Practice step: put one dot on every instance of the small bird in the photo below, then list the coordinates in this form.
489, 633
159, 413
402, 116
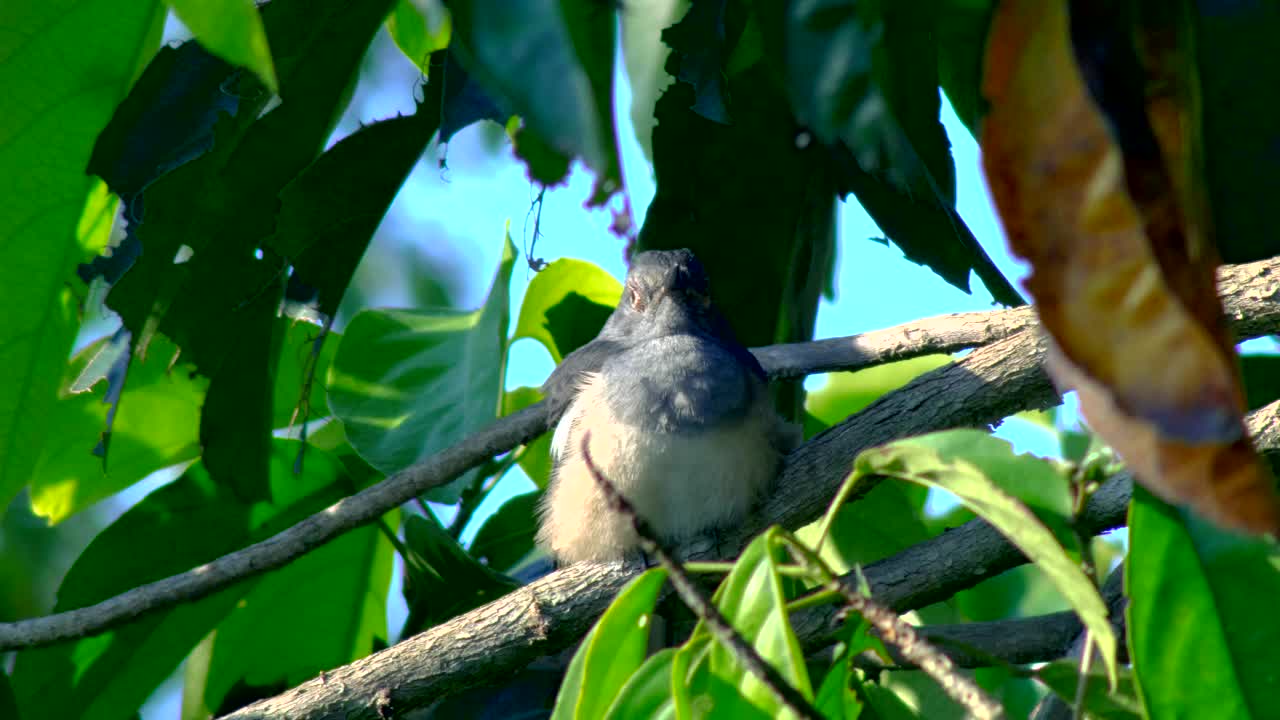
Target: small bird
679, 416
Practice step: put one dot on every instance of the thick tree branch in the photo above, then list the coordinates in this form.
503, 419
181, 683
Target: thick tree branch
989, 384
552, 612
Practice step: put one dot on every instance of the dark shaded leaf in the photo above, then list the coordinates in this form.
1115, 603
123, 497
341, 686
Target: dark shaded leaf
1261, 379
1241, 145
166, 120
506, 536
1062, 676
441, 579
268, 641
551, 63
962, 37
758, 212
330, 211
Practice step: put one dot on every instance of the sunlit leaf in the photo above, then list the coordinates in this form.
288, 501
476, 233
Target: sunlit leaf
611, 652
419, 28
1184, 573
64, 69
982, 472
647, 695
566, 305
751, 598
409, 383
232, 30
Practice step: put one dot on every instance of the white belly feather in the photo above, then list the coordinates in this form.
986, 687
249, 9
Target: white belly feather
681, 483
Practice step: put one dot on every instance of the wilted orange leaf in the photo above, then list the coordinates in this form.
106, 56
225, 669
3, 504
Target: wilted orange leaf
1100, 197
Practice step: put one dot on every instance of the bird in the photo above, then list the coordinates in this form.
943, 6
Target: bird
678, 414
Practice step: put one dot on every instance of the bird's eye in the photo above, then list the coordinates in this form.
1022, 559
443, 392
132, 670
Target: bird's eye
636, 298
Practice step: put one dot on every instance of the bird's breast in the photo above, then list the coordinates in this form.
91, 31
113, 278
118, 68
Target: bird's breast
682, 481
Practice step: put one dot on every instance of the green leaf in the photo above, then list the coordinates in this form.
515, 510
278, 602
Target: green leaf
1201, 605
330, 211
981, 471
962, 41
232, 30
419, 29
845, 393
1261, 379
155, 427
1061, 676
63, 70
506, 536
179, 526
566, 305
647, 695
323, 610
1234, 130
442, 579
752, 600
645, 56
300, 373
235, 420
836, 699
551, 63
8, 703
409, 383
535, 458
611, 652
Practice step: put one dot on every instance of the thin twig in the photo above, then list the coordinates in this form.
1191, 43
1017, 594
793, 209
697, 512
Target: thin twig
1248, 293
701, 606
892, 629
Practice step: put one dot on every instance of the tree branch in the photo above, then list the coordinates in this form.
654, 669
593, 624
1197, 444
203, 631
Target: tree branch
541, 618
554, 611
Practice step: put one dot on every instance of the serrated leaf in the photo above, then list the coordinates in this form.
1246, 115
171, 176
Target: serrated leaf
409, 383
1200, 605
62, 75
566, 305
180, 526
232, 30
613, 650
971, 465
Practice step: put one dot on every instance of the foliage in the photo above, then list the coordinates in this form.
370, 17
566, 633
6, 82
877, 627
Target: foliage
174, 314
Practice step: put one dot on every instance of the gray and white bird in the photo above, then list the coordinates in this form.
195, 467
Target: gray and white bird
679, 414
